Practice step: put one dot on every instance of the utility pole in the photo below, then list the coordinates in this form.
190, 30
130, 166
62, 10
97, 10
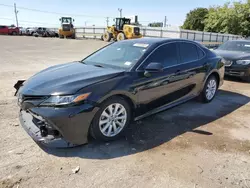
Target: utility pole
165, 21
16, 11
107, 20
120, 10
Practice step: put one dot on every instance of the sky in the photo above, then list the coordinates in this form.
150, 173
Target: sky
94, 12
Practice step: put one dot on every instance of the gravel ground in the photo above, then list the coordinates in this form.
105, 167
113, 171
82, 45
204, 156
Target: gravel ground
193, 145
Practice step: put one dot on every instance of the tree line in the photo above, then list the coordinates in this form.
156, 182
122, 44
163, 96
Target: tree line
232, 18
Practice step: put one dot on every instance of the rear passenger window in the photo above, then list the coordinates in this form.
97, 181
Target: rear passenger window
188, 52
166, 54
200, 53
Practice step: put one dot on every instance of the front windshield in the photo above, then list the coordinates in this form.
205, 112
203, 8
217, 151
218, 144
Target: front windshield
66, 20
241, 46
121, 55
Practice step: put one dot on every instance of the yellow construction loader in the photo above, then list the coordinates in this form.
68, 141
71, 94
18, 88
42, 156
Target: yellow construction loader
122, 30
67, 29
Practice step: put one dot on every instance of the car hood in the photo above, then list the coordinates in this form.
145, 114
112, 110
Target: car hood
66, 79
232, 55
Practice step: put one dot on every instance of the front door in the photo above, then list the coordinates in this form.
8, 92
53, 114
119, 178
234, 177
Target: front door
161, 87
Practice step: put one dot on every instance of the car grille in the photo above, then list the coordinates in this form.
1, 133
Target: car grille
32, 97
30, 100
136, 30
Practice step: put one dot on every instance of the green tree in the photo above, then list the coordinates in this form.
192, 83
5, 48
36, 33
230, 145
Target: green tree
230, 18
195, 19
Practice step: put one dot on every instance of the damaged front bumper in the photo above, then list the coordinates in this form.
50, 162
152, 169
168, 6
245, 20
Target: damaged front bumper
35, 132
58, 127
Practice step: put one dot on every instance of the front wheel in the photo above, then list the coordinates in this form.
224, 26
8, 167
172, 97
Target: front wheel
209, 90
111, 120
121, 36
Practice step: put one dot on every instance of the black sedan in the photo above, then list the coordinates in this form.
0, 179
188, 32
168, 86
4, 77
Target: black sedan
236, 55
124, 81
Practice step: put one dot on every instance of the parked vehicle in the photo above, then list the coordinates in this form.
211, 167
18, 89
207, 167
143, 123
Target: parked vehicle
122, 30
44, 32
13, 30
30, 31
5, 30
22, 31
124, 81
67, 28
237, 58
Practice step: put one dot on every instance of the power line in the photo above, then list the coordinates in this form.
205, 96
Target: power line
24, 21
57, 13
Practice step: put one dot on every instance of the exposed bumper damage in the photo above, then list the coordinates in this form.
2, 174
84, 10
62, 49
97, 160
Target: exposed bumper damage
38, 134
54, 126
58, 127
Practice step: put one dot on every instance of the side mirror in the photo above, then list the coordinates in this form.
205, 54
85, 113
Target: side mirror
73, 20
60, 19
153, 67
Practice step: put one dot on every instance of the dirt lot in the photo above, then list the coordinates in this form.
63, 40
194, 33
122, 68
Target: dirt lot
192, 145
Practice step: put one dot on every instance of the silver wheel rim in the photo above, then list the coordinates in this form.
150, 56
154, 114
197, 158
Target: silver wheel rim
113, 120
211, 89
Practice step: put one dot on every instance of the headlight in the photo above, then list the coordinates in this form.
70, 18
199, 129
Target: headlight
64, 100
243, 62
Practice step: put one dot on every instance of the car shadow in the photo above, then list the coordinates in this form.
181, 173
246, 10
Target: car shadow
159, 129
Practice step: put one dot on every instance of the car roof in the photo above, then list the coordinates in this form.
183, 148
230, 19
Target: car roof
241, 40
157, 40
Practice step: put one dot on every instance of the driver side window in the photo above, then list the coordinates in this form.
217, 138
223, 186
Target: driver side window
166, 55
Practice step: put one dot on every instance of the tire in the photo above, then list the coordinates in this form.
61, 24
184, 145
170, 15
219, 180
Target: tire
98, 130
107, 36
120, 36
14, 33
73, 36
211, 86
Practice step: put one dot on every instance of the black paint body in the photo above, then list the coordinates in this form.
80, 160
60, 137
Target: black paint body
146, 95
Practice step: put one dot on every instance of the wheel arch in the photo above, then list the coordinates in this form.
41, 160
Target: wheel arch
125, 96
216, 74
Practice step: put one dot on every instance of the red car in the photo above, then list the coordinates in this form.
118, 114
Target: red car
9, 30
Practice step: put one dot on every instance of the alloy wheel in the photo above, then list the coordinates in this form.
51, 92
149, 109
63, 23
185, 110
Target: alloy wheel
211, 89
113, 120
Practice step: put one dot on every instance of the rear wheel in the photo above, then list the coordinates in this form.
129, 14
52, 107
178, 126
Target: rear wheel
14, 33
107, 36
209, 90
73, 36
121, 36
111, 120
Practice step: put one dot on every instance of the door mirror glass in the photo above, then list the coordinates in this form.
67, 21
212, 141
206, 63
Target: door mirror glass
154, 67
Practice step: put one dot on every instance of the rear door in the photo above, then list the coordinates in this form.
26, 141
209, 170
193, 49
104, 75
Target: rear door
192, 66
